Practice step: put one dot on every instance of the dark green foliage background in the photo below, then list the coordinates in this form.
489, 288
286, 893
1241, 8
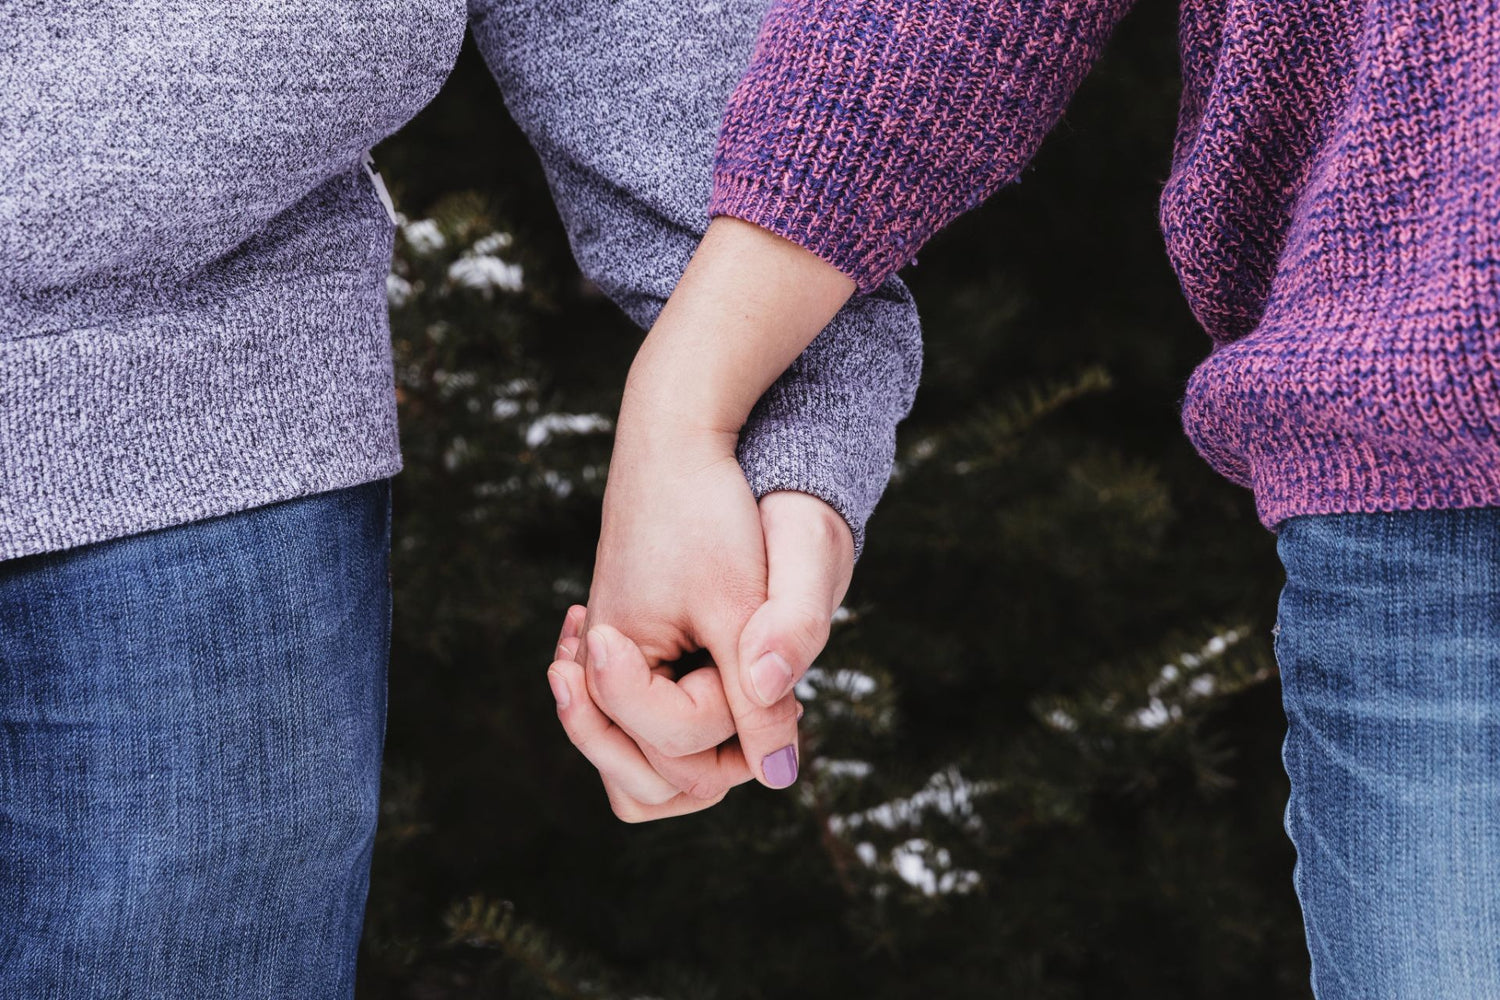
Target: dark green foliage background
1050, 543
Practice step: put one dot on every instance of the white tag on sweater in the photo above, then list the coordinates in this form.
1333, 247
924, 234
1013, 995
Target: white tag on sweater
385, 196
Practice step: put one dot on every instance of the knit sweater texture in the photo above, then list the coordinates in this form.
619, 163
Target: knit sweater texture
192, 261
193, 316
1333, 208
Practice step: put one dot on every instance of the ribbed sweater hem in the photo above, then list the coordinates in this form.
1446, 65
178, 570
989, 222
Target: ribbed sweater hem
1421, 432
283, 390
1363, 481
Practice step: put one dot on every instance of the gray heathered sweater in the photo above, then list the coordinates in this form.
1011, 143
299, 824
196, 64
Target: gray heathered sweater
193, 261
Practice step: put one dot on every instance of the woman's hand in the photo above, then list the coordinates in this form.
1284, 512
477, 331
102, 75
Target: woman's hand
641, 781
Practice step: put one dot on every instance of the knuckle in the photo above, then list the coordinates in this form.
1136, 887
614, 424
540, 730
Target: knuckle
810, 626
707, 789
627, 813
585, 741
709, 803
619, 803
777, 721
675, 744
625, 808
829, 528
684, 741
659, 798
806, 518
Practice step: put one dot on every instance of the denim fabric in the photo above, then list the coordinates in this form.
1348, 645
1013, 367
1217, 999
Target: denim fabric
1389, 643
191, 724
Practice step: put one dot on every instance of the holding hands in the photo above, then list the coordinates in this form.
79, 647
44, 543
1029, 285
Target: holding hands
688, 560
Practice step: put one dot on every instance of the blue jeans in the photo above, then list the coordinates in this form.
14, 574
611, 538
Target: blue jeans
191, 724
1389, 644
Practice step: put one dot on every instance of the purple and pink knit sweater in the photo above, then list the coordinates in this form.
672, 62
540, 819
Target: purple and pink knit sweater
1333, 211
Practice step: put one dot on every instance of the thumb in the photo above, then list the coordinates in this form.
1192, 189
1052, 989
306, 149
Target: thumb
809, 560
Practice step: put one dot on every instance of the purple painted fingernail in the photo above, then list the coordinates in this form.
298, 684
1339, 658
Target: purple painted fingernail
780, 766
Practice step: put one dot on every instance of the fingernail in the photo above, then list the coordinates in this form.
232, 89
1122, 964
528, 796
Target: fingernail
598, 649
770, 677
559, 690
780, 766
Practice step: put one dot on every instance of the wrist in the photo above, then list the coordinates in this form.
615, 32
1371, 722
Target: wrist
747, 305
656, 415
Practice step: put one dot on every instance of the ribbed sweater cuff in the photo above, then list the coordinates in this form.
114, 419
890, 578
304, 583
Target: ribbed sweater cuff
827, 427
840, 238
864, 126
781, 456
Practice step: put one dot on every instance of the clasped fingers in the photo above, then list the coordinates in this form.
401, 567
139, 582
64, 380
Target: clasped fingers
662, 747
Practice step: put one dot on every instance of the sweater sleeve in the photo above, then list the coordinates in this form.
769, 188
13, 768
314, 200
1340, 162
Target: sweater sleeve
864, 126
622, 101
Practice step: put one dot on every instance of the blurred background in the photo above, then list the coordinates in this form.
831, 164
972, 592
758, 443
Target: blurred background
1042, 750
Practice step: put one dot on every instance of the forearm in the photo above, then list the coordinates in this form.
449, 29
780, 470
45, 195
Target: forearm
748, 304
626, 134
